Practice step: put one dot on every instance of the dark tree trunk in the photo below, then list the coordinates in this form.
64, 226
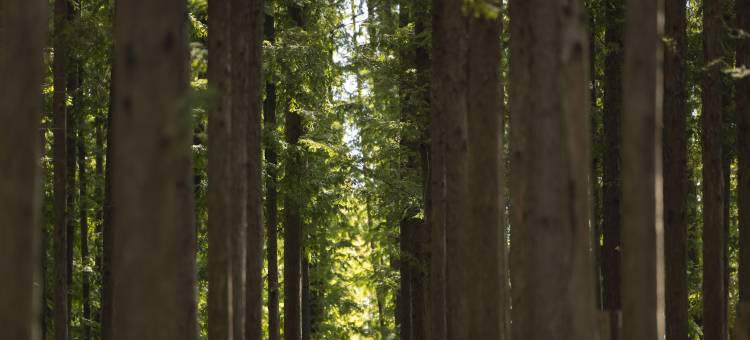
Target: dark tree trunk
714, 247
743, 151
612, 191
59, 159
22, 31
219, 174
482, 246
269, 116
675, 171
155, 241
306, 301
551, 164
73, 91
642, 240
107, 225
293, 205
84, 223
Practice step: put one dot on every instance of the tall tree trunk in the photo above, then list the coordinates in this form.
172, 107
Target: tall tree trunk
597, 137
743, 151
84, 225
439, 90
483, 241
59, 159
675, 171
612, 190
269, 116
406, 230
306, 301
252, 93
219, 174
22, 31
155, 240
73, 91
99, 198
714, 247
642, 243
107, 225
550, 215
293, 204
239, 136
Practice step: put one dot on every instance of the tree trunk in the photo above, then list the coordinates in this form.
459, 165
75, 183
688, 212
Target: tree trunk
743, 153
714, 248
22, 30
306, 301
483, 241
73, 91
675, 172
643, 243
154, 227
612, 190
59, 159
406, 231
252, 96
553, 294
107, 225
219, 175
269, 116
293, 204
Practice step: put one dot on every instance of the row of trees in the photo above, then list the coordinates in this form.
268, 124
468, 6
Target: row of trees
393, 150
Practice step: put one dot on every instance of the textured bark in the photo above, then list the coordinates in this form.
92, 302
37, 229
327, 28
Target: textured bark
437, 286
675, 171
612, 190
239, 46
743, 153
252, 91
269, 116
553, 294
23, 26
714, 247
483, 239
642, 243
219, 174
154, 228
59, 159
293, 204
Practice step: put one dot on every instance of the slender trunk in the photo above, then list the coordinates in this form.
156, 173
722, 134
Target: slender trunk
84, 223
612, 190
596, 158
714, 247
743, 151
107, 225
22, 30
99, 199
551, 164
73, 91
219, 136
306, 307
155, 241
269, 116
483, 242
293, 205
643, 243
59, 158
405, 288
675, 172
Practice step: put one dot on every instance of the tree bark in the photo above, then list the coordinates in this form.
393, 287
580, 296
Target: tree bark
252, 93
612, 189
714, 247
219, 175
107, 224
154, 228
23, 26
551, 264
483, 239
84, 225
675, 171
642, 243
269, 116
743, 152
59, 158
293, 205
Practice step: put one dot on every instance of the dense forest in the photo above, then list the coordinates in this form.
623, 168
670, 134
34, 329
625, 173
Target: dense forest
374, 169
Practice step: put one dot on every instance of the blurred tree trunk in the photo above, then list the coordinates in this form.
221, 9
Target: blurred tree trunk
675, 171
155, 241
743, 152
84, 225
551, 164
714, 247
219, 174
642, 243
23, 26
107, 224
